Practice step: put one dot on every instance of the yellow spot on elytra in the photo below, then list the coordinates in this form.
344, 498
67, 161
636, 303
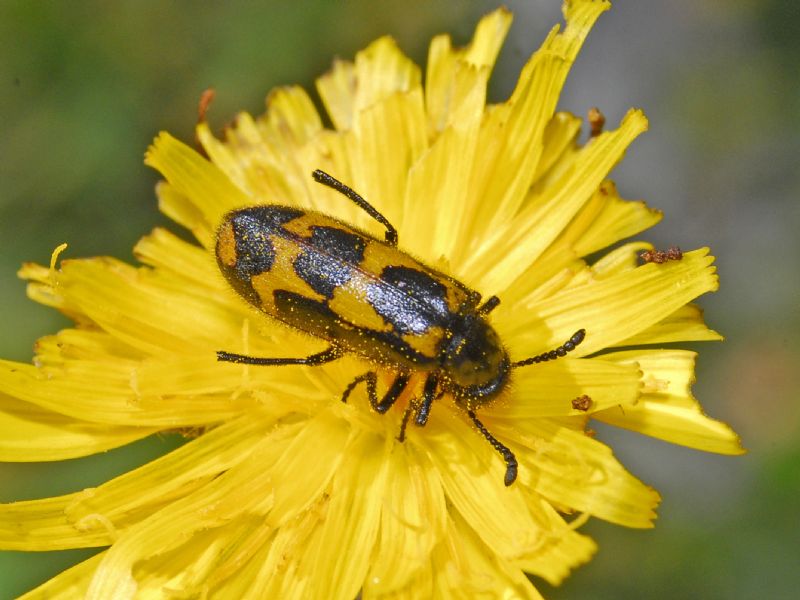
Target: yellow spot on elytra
226, 245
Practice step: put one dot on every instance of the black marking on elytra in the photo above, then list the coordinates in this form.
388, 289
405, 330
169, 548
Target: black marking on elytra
297, 309
316, 317
329, 262
400, 346
409, 300
252, 228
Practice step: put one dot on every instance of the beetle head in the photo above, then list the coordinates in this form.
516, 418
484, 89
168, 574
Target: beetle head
475, 363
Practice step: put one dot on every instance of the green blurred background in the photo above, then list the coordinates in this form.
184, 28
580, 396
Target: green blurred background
86, 85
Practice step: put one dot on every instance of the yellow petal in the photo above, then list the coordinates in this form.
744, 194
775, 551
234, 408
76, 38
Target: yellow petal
242, 491
684, 325
303, 484
399, 117
560, 552
238, 575
290, 122
30, 433
339, 556
464, 567
197, 179
412, 523
559, 136
438, 180
178, 259
69, 584
512, 244
179, 207
473, 482
107, 393
617, 220
337, 88
381, 71
97, 516
144, 309
511, 140
610, 309
450, 78
571, 469
43, 288
269, 158
667, 409
84, 344
277, 576
547, 389
197, 567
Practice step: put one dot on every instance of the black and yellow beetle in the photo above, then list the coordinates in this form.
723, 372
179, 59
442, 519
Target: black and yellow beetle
367, 297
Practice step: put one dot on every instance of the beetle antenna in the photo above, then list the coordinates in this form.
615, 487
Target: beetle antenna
508, 455
562, 350
322, 177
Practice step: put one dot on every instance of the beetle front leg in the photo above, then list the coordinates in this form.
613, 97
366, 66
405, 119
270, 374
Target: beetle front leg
327, 355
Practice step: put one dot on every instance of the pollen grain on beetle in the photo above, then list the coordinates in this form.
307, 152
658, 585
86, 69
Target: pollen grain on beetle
385, 357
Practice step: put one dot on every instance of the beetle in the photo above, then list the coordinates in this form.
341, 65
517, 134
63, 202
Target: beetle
366, 296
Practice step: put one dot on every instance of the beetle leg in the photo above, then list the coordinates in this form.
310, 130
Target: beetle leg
398, 385
327, 355
371, 378
322, 177
562, 350
508, 455
406, 416
428, 396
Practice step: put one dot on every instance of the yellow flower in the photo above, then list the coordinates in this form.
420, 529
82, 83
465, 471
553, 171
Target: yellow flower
286, 492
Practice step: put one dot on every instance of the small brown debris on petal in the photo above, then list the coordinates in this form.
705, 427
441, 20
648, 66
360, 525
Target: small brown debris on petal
658, 256
674, 253
596, 121
582, 403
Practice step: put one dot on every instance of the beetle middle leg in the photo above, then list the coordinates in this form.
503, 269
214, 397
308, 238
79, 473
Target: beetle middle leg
421, 408
389, 398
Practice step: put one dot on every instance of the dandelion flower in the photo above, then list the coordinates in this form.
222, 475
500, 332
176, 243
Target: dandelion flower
286, 492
